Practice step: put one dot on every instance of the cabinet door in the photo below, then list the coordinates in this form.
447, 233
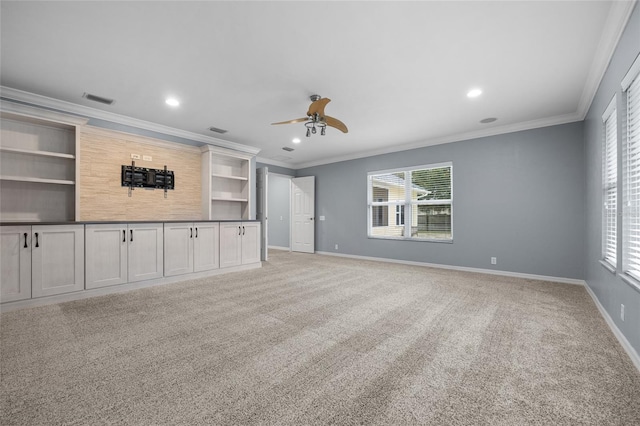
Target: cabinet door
145, 248
206, 245
230, 244
15, 263
178, 248
57, 259
106, 255
250, 242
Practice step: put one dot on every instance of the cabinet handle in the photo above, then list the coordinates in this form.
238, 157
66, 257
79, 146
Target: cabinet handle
131, 230
239, 231
25, 240
243, 230
196, 232
37, 244
191, 235
124, 236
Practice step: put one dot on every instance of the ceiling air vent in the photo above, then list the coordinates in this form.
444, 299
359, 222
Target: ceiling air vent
286, 148
215, 129
100, 99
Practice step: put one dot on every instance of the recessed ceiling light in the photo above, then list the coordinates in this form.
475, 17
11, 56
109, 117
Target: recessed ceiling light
296, 140
474, 93
172, 102
488, 120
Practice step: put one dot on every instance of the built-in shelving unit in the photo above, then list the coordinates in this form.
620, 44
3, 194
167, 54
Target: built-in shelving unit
226, 184
38, 173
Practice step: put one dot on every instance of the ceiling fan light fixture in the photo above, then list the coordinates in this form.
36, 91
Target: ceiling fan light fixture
308, 132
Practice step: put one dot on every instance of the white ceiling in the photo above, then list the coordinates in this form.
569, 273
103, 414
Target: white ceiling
397, 72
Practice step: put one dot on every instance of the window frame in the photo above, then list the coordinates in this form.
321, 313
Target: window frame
629, 274
407, 203
610, 258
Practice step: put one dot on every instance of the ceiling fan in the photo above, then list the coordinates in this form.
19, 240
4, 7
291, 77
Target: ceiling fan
316, 117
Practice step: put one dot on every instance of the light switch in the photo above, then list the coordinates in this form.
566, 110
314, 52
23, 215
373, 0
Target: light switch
321, 217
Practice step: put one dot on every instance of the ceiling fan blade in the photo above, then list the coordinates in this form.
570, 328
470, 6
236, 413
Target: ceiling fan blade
297, 120
334, 122
317, 107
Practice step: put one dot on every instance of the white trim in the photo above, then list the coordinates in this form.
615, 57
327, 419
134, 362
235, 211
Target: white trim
46, 102
279, 248
609, 267
631, 281
411, 168
271, 162
561, 280
631, 75
616, 22
635, 358
121, 288
43, 114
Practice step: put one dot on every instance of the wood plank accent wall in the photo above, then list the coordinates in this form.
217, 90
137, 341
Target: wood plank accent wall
102, 198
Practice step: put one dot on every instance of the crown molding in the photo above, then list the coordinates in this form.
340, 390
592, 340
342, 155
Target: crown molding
274, 163
16, 95
615, 25
494, 131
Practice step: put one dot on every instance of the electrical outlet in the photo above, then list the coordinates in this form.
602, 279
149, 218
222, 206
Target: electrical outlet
336, 247
147, 158
622, 312
494, 260
135, 156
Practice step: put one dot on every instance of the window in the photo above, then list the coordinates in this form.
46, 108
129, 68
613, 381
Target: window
399, 215
418, 198
631, 174
609, 184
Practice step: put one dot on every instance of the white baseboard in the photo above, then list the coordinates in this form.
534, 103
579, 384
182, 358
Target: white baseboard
635, 358
279, 248
120, 288
463, 268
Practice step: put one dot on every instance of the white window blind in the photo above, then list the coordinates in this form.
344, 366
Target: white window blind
631, 181
609, 184
419, 198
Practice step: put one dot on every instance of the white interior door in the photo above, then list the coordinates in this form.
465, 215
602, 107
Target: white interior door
262, 181
303, 212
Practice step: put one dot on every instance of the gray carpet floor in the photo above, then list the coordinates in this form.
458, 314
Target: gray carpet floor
311, 339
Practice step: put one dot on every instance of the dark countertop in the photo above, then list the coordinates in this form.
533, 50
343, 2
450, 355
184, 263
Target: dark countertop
116, 222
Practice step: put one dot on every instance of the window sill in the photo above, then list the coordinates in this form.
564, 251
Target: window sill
609, 267
421, 240
634, 283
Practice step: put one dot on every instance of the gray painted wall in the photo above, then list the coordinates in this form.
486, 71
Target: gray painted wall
279, 210
278, 204
610, 290
518, 197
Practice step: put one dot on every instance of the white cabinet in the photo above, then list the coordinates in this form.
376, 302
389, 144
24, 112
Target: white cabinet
239, 243
145, 249
226, 184
190, 247
206, 246
121, 253
42, 260
38, 154
106, 255
57, 259
15, 263
250, 242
